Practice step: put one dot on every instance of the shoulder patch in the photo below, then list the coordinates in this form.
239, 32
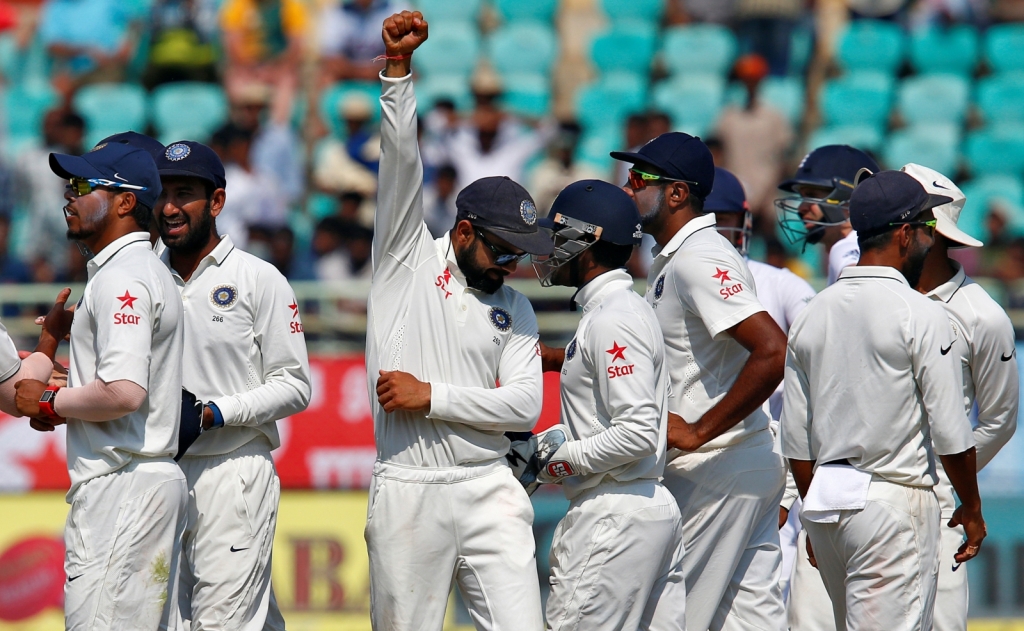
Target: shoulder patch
570, 350
223, 296
659, 287
500, 319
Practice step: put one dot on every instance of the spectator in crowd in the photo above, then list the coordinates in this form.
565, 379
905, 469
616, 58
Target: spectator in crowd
755, 137
88, 40
560, 168
263, 41
181, 49
766, 28
635, 135
342, 250
350, 38
350, 165
276, 148
254, 198
12, 270
362, 142
439, 201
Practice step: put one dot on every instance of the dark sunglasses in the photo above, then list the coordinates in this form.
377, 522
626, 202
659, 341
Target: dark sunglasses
931, 223
501, 257
638, 180
82, 186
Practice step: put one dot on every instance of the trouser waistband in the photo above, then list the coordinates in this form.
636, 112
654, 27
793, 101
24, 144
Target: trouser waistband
446, 475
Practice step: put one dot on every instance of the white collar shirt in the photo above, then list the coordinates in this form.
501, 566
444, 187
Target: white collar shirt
478, 351
870, 379
127, 326
9, 360
244, 347
614, 388
700, 287
986, 348
844, 253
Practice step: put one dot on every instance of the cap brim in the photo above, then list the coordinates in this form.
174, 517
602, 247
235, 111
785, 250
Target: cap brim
635, 158
68, 167
185, 173
935, 200
948, 229
790, 185
535, 243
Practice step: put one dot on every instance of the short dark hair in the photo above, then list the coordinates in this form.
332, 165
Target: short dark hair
875, 241
611, 255
696, 203
142, 214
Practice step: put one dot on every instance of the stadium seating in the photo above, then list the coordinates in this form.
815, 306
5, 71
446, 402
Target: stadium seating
648, 11
109, 108
873, 45
866, 137
522, 47
444, 11
993, 151
1004, 47
934, 98
699, 49
607, 102
332, 98
432, 88
188, 110
624, 47
785, 94
933, 146
861, 98
452, 50
946, 50
535, 10
595, 147
527, 95
980, 192
1001, 98
693, 102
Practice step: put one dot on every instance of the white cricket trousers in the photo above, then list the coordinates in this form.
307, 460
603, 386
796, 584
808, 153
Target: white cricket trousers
880, 564
729, 501
809, 607
471, 525
229, 538
122, 548
616, 561
952, 597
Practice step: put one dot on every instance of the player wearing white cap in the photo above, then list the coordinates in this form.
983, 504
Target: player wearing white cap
986, 349
453, 363
857, 419
725, 356
245, 359
616, 557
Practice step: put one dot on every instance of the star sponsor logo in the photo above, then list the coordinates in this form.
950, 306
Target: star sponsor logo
441, 282
127, 302
721, 275
296, 327
617, 352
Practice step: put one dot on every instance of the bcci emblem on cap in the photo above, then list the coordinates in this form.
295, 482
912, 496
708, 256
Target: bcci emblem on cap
500, 319
223, 296
177, 151
528, 211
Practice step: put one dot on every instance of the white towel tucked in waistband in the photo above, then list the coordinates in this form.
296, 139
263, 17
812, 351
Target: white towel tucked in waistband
835, 487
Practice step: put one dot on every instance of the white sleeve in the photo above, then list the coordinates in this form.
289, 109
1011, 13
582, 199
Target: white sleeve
996, 386
939, 379
278, 331
797, 293
36, 366
9, 360
125, 316
795, 425
515, 404
717, 287
629, 399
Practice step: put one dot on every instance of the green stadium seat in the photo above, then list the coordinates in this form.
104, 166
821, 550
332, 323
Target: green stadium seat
980, 192
934, 98
451, 49
188, 110
595, 146
25, 106
644, 10
522, 47
874, 45
527, 94
109, 108
608, 102
861, 98
785, 94
628, 47
693, 102
801, 47
865, 137
951, 50
443, 11
1000, 98
517, 10
924, 145
699, 49
993, 151
432, 88
332, 98
1004, 47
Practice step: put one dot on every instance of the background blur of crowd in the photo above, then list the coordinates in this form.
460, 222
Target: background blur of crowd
539, 90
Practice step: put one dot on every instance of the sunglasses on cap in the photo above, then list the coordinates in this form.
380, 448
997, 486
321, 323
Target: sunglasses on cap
931, 223
501, 257
82, 186
638, 180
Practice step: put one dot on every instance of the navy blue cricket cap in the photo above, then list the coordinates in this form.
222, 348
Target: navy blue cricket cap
187, 158
600, 204
831, 167
135, 139
727, 196
504, 208
114, 164
886, 198
678, 156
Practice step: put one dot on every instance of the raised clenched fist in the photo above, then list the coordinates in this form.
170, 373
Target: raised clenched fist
404, 32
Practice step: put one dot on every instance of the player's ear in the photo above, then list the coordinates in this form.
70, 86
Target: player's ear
126, 202
217, 201
678, 194
462, 233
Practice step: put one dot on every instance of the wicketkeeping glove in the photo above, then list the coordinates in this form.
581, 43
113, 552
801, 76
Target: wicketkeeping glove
530, 458
191, 422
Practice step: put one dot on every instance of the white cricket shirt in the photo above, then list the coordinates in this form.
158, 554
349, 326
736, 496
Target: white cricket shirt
700, 287
867, 380
9, 360
244, 347
985, 346
844, 253
128, 325
422, 319
614, 389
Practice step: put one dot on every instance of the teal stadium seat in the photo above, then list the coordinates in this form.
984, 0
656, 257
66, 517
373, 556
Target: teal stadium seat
109, 108
927, 145
530, 10
188, 110
522, 47
451, 49
432, 88
1004, 47
951, 50
624, 47
644, 10
873, 45
443, 11
693, 102
861, 98
934, 98
527, 94
992, 151
25, 107
606, 103
864, 137
332, 97
1000, 98
980, 192
699, 49
595, 146
786, 94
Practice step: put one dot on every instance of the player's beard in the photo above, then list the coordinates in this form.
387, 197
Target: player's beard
197, 235
655, 213
914, 265
90, 224
476, 275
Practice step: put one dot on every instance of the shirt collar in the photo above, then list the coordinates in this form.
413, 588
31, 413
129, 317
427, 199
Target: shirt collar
872, 271
695, 224
113, 248
945, 291
448, 251
591, 294
215, 257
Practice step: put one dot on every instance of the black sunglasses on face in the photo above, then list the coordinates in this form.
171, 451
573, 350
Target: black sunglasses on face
501, 257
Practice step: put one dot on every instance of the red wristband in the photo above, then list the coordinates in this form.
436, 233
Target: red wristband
46, 402
396, 57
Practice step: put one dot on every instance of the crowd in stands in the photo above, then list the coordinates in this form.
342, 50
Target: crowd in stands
539, 90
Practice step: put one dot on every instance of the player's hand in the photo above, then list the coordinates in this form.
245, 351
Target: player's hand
974, 528
551, 359
403, 33
26, 399
59, 375
58, 321
810, 552
783, 516
683, 435
41, 426
398, 390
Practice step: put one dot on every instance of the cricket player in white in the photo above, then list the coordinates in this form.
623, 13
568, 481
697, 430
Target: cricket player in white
725, 356
245, 357
453, 363
857, 419
123, 402
616, 557
986, 348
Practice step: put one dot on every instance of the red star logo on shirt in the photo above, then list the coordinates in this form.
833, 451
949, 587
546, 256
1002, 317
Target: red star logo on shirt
616, 352
722, 275
127, 300
295, 308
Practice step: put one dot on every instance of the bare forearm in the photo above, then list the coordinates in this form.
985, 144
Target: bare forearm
803, 473
962, 469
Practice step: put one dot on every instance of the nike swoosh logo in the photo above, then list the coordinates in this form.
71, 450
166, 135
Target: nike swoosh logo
945, 351
118, 176
234, 549
71, 578
937, 185
956, 566
1007, 358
